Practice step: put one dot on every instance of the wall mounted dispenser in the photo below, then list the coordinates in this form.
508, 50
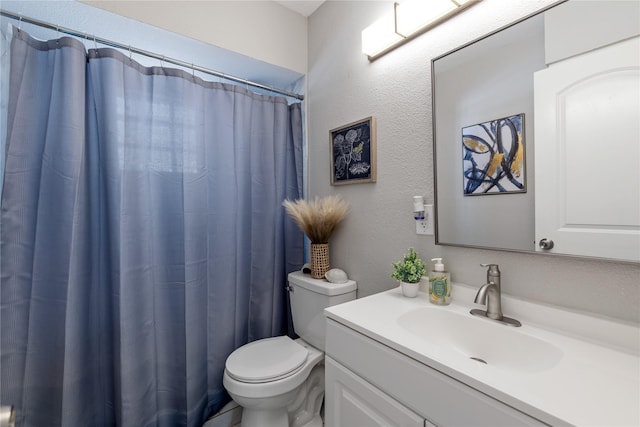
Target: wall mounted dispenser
418, 207
423, 214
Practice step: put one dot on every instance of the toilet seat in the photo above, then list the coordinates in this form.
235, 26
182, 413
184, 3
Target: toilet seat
266, 360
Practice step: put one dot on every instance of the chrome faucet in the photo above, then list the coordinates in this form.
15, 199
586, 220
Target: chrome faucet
490, 295
491, 289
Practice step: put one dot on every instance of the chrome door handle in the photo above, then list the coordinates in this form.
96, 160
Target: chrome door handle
546, 244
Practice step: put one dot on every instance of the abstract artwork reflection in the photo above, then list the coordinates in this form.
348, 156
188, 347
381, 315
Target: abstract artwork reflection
493, 157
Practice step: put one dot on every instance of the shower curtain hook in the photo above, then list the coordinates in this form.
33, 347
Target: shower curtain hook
162, 62
95, 45
130, 54
86, 37
20, 24
193, 71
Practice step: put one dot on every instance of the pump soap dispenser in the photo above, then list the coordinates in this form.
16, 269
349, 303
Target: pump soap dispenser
439, 284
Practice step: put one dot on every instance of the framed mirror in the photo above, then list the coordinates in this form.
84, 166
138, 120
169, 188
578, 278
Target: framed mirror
537, 134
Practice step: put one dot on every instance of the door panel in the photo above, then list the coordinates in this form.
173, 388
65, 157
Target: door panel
587, 148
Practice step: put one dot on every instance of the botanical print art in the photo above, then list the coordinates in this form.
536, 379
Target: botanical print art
493, 157
353, 153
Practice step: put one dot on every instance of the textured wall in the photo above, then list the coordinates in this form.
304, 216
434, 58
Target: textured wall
343, 86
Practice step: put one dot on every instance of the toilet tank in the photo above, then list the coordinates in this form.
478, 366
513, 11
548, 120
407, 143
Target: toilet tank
309, 297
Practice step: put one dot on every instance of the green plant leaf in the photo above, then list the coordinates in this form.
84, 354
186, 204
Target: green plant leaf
410, 269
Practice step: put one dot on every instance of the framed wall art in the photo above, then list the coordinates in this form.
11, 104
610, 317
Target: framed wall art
353, 152
493, 157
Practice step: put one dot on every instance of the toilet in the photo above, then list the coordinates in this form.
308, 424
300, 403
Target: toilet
279, 382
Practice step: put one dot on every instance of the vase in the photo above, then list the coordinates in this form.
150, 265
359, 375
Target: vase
319, 260
409, 290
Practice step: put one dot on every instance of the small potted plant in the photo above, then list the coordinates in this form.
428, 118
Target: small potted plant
408, 271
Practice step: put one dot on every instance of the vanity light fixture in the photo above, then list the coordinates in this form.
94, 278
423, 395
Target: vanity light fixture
380, 36
408, 20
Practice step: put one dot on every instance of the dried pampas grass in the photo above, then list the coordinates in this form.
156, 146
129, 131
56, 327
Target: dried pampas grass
319, 218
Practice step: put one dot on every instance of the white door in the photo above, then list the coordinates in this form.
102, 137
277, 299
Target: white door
587, 153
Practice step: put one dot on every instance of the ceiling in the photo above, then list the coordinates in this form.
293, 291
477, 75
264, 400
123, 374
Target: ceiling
303, 7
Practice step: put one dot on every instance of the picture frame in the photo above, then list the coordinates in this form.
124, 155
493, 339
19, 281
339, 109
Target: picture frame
353, 152
493, 157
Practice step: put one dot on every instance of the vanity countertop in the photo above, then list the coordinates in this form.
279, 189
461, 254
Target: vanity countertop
593, 378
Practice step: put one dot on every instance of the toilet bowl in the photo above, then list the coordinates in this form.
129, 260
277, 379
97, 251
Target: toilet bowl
265, 377
278, 381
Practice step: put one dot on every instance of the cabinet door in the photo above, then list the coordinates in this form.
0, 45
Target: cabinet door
350, 401
587, 146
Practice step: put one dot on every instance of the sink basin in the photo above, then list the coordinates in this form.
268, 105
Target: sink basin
481, 340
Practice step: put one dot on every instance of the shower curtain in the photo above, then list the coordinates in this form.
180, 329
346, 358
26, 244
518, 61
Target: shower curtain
142, 235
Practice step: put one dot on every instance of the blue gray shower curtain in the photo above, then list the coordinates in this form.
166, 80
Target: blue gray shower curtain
143, 237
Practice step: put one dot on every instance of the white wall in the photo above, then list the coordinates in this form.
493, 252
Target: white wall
343, 86
263, 30
589, 34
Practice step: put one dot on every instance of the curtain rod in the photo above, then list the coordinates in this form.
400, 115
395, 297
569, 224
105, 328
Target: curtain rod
163, 58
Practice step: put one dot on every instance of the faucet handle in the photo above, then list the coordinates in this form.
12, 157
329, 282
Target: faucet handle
493, 268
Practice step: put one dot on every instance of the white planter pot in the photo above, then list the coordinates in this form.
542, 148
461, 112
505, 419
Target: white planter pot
409, 290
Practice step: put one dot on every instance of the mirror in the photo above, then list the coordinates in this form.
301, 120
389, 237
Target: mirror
536, 141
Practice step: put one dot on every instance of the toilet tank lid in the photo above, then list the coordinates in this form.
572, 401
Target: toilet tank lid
321, 286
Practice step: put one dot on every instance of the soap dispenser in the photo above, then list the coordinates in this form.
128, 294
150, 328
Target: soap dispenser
439, 284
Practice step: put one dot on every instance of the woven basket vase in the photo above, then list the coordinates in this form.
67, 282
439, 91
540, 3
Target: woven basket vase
319, 260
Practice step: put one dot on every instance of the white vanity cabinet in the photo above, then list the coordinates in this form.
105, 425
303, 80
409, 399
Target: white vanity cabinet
370, 384
396, 361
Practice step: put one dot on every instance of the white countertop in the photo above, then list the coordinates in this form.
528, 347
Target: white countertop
596, 381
